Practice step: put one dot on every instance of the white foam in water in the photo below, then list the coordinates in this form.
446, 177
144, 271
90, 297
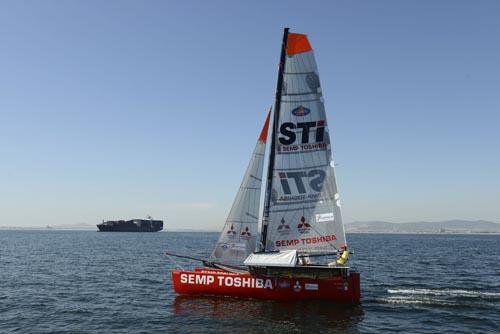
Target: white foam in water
420, 301
402, 300
444, 292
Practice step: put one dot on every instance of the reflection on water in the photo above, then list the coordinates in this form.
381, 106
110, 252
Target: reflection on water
293, 316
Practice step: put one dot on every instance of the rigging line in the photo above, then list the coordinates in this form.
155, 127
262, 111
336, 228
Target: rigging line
173, 261
232, 269
301, 93
297, 73
256, 178
300, 101
302, 202
300, 168
252, 216
184, 256
205, 262
318, 254
284, 210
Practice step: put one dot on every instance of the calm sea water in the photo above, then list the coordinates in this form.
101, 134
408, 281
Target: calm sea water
89, 282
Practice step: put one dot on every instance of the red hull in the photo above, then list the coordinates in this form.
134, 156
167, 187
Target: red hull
218, 282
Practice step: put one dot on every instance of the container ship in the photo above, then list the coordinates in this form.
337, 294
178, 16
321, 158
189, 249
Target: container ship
133, 225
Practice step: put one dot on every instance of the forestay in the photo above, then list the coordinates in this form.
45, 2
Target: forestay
304, 210
240, 232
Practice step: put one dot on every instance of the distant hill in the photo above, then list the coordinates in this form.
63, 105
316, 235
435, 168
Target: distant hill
75, 226
193, 230
447, 226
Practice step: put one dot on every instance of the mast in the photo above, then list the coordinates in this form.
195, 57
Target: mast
277, 107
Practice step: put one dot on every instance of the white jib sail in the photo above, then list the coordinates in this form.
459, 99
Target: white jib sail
240, 233
304, 211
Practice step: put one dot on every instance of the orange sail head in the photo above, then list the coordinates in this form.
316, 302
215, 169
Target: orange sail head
263, 133
297, 43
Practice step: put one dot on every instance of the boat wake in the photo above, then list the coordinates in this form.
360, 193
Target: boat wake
446, 293
440, 297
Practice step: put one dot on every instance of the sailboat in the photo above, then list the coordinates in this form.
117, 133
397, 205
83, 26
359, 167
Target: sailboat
301, 251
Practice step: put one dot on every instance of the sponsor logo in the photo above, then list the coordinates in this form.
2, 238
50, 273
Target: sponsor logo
197, 279
238, 247
233, 246
297, 287
298, 198
303, 226
283, 228
288, 135
231, 249
246, 233
231, 232
215, 272
301, 148
325, 217
314, 178
311, 286
283, 284
226, 281
312, 81
306, 241
301, 111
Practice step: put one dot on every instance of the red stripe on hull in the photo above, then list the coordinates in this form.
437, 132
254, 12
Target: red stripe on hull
218, 282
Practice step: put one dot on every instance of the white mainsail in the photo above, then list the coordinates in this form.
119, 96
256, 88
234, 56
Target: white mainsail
304, 207
240, 233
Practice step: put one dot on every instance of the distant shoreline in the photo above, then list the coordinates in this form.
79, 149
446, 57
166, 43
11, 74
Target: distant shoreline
213, 231
427, 233
446, 227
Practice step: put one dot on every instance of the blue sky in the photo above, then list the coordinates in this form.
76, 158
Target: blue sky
121, 109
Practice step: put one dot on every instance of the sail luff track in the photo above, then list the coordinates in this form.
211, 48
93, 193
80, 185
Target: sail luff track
270, 170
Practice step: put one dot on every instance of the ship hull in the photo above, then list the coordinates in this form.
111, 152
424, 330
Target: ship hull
135, 225
205, 281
